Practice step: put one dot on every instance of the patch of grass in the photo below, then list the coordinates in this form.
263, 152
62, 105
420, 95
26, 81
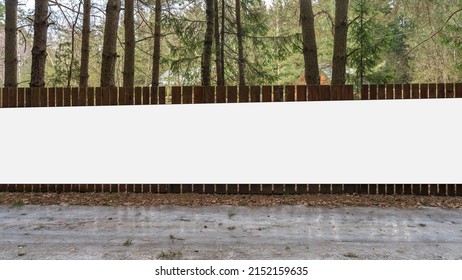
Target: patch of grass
287, 247
231, 228
17, 203
351, 255
128, 242
231, 214
170, 255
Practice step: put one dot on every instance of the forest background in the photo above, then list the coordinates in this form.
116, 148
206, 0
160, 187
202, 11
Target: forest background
252, 42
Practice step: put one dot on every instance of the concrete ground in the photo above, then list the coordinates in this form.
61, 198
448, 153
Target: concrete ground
227, 232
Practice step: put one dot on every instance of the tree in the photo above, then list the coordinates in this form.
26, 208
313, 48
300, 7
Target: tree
156, 53
208, 42
11, 42
340, 43
218, 60
129, 56
85, 49
109, 56
310, 52
39, 49
240, 59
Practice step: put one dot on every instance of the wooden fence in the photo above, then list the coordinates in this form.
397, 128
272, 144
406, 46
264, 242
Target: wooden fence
51, 97
57, 97
411, 91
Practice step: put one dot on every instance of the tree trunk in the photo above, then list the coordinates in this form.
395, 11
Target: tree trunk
222, 42
129, 56
156, 54
208, 42
340, 42
85, 49
241, 60
39, 49
310, 51
110, 44
217, 44
11, 43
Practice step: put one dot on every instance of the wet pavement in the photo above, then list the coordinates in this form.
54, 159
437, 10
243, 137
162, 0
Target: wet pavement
226, 232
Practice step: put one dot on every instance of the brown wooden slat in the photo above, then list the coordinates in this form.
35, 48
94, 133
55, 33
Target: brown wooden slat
336, 91
209, 94
440, 91
407, 189
267, 189
83, 96
52, 97
129, 96
432, 91
266, 94
43, 97
349, 188
451, 190
300, 188
21, 97
221, 94
390, 91
244, 188
198, 188
161, 95
59, 97
278, 94
187, 95
313, 188
337, 189
364, 189
243, 94
187, 188
154, 95
314, 93
74, 96
416, 189
406, 91
382, 189
373, 189
99, 96
424, 189
325, 93
348, 92
372, 92
255, 189
459, 190
2, 90
176, 95
36, 97
290, 189
146, 95
450, 91
290, 93
398, 91
381, 91
278, 189
113, 96
12, 97
442, 190
209, 188
434, 189
255, 93
138, 95
399, 188
458, 89
424, 91
364, 92
122, 96
231, 188
325, 189
232, 94
198, 95
415, 88
106, 96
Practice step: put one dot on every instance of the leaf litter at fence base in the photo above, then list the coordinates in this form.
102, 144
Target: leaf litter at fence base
194, 200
